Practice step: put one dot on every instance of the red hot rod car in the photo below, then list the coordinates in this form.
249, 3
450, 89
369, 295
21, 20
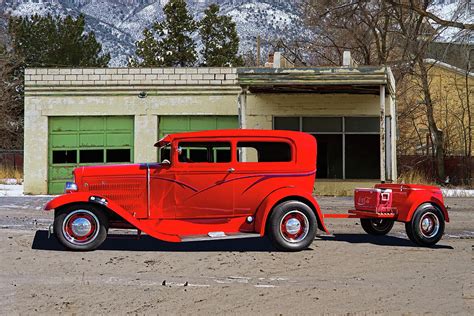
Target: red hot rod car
229, 184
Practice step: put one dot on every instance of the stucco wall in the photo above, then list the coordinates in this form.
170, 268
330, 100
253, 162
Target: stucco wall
262, 108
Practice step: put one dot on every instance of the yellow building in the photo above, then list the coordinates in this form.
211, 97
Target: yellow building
452, 93
91, 116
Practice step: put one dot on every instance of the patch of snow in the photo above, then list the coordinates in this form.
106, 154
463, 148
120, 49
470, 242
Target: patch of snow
11, 190
457, 193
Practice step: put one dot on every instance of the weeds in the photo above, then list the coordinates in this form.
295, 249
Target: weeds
10, 173
415, 177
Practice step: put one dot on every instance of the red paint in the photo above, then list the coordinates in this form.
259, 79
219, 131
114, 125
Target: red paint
394, 201
181, 199
185, 199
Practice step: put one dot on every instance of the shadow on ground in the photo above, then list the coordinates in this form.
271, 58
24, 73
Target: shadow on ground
386, 240
147, 243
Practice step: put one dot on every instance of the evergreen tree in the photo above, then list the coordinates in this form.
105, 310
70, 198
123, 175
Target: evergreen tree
220, 39
47, 41
168, 43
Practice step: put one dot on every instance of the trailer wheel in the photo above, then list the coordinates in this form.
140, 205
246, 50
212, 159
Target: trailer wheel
377, 226
292, 226
426, 226
81, 227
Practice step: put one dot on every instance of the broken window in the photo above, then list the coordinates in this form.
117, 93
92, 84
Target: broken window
118, 155
91, 155
64, 156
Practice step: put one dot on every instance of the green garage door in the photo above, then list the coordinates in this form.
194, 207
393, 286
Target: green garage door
177, 124
78, 141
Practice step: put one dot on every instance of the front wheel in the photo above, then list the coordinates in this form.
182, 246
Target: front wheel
426, 226
292, 226
81, 227
377, 226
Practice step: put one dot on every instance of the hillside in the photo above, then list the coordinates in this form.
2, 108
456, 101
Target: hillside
118, 24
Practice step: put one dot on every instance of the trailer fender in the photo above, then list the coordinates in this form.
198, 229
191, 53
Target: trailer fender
418, 202
145, 226
284, 194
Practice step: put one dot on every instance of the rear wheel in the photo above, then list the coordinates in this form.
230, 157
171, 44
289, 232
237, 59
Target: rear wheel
377, 226
292, 226
81, 227
426, 226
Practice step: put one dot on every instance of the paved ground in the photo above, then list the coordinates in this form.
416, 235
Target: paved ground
347, 273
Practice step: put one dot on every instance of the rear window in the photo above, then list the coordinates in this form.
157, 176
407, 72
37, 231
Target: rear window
210, 152
263, 152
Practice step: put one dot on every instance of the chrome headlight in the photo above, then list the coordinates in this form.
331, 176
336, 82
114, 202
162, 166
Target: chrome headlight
70, 187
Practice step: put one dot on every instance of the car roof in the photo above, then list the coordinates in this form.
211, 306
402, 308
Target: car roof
234, 133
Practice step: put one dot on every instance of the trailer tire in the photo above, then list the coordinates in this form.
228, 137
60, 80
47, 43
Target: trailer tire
80, 227
377, 226
426, 226
292, 226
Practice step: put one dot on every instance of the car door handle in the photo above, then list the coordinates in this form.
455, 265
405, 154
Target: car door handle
230, 170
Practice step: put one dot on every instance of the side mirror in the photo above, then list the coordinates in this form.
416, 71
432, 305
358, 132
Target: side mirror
166, 162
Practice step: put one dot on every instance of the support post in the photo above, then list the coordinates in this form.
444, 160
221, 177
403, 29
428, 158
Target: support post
242, 104
382, 133
393, 112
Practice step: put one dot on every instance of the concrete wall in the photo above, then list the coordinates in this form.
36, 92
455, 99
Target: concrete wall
97, 92
262, 108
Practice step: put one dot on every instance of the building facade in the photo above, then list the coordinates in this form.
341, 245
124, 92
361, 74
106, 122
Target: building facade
90, 116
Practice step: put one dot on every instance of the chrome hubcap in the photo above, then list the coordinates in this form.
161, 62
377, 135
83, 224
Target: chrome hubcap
80, 227
429, 225
294, 226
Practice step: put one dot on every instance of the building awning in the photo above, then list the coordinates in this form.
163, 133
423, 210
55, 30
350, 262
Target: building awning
354, 80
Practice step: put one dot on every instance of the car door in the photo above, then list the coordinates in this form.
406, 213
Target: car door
203, 171
263, 166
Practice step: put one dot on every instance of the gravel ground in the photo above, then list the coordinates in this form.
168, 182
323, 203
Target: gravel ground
348, 272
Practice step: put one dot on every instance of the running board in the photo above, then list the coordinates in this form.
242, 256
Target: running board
220, 236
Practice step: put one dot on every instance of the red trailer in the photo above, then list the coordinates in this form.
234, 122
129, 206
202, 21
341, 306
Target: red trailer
230, 184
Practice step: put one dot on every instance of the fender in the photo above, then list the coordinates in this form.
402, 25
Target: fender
274, 197
144, 225
425, 199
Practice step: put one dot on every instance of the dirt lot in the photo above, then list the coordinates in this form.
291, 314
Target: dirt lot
349, 272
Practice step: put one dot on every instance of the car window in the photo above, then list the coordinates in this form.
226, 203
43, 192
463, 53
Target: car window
165, 153
204, 152
263, 152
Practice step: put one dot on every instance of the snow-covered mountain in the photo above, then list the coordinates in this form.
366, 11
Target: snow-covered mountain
118, 24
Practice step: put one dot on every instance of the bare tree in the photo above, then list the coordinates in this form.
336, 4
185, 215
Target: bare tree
392, 33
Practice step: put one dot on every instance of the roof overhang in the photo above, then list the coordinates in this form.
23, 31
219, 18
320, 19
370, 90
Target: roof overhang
355, 80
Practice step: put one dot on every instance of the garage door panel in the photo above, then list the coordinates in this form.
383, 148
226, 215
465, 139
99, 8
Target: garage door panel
174, 123
227, 122
201, 123
61, 172
119, 140
119, 123
63, 141
91, 123
55, 187
62, 124
91, 140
